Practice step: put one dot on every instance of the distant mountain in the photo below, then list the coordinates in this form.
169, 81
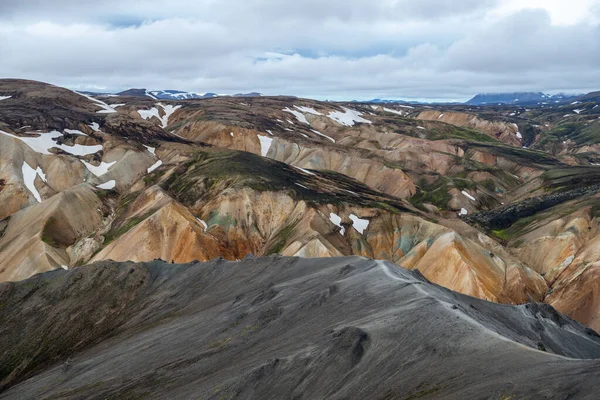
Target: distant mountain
178, 94
135, 93
251, 94
386, 101
507, 98
593, 96
517, 98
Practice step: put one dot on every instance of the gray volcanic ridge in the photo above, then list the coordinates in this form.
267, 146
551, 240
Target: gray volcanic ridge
280, 328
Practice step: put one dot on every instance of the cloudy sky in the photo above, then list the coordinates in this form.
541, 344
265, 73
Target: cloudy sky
326, 49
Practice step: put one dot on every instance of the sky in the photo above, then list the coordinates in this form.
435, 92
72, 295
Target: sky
325, 49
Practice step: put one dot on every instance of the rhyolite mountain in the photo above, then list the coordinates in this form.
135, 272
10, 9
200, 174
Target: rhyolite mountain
518, 98
499, 203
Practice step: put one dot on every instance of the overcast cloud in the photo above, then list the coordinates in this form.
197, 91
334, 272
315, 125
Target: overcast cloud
330, 49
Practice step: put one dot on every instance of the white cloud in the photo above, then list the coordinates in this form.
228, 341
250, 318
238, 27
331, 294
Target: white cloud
335, 49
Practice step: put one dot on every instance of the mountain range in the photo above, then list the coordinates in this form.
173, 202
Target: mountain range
177, 94
280, 247
519, 98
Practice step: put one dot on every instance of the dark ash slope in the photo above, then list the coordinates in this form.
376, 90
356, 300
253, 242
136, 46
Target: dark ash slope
280, 328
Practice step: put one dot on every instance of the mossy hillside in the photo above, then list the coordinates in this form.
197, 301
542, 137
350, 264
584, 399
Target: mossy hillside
436, 191
580, 132
443, 131
532, 222
518, 155
571, 177
218, 169
514, 218
281, 239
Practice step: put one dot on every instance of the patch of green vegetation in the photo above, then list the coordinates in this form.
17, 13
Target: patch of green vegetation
582, 133
124, 228
472, 165
102, 194
464, 184
176, 125
529, 132
437, 193
500, 234
489, 184
571, 177
151, 179
447, 131
282, 238
516, 154
126, 200
48, 232
225, 221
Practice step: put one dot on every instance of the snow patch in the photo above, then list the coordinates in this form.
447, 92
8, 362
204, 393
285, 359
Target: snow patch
468, 195
99, 170
203, 223
231, 134
359, 224
108, 185
29, 175
463, 211
299, 116
325, 136
95, 126
44, 142
269, 132
152, 150
519, 135
155, 165
348, 117
337, 221
579, 111
5, 97
75, 132
420, 127
305, 171
393, 111
302, 186
168, 110
308, 110
265, 144
106, 109
441, 115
